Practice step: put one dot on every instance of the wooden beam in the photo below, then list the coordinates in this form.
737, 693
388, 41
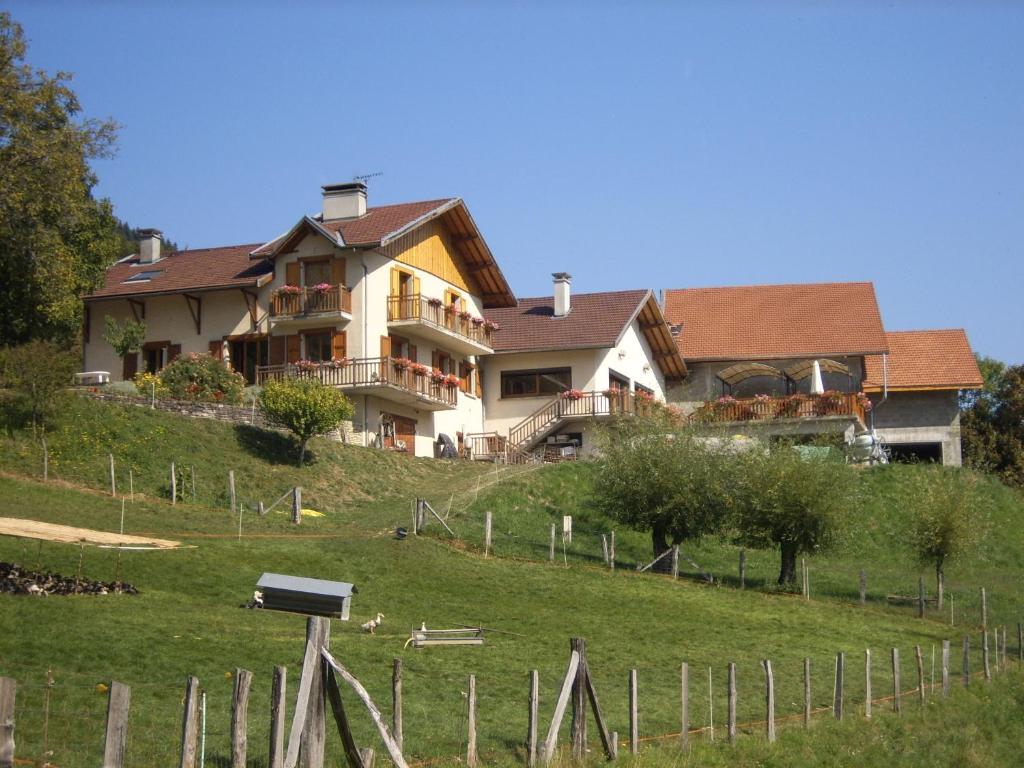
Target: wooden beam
560, 705
352, 754
138, 309
195, 308
251, 304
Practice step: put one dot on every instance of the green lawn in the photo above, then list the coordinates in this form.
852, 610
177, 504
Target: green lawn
187, 619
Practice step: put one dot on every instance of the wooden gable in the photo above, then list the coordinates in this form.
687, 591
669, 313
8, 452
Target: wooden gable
432, 248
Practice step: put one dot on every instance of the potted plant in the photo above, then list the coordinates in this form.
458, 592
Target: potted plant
435, 302
323, 287
340, 362
401, 363
452, 380
788, 407
865, 402
491, 325
828, 403
419, 369
437, 375
289, 290
477, 321
572, 395
306, 366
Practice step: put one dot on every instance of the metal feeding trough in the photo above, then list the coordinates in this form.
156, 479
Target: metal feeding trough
297, 594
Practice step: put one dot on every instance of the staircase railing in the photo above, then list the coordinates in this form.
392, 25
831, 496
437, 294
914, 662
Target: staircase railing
570, 405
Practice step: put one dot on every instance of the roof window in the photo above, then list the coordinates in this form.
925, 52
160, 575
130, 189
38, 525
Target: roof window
144, 277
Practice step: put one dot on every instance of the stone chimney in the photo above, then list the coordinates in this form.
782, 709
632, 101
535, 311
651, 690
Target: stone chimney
562, 293
149, 245
344, 201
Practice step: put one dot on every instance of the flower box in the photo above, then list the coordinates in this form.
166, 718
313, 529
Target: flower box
323, 288
401, 363
572, 394
289, 290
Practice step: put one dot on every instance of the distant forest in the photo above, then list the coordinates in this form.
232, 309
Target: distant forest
130, 241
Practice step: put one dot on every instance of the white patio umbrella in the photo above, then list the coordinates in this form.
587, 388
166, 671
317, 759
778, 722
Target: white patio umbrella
817, 387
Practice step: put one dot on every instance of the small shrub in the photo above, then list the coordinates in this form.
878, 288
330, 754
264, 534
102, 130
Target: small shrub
149, 384
304, 406
201, 377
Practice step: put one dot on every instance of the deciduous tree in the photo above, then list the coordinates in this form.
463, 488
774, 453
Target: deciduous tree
56, 239
304, 406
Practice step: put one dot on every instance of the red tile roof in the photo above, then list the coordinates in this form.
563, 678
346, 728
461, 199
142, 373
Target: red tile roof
763, 322
193, 270
940, 359
595, 320
381, 220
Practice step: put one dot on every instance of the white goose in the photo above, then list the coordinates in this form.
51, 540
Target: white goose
372, 624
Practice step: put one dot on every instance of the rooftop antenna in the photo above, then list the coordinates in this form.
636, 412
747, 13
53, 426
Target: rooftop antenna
367, 176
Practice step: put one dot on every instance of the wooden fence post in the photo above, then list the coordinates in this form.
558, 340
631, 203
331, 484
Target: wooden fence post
471, 756
278, 694
231, 489
611, 552
731, 723
920, 597
314, 731
551, 742
837, 702
920, 673
675, 562
615, 745
984, 609
551, 545
487, 533
967, 661
984, 654
174, 486
743, 569
7, 691
190, 725
531, 723
940, 593
46, 461
396, 702
578, 727
634, 715
807, 692
604, 548
118, 699
240, 717
945, 668
297, 505
366, 755
684, 725
895, 679
863, 588
113, 482
769, 682
867, 683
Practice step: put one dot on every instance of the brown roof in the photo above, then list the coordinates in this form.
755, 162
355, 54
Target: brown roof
595, 320
200, 269
381, 221
763, 322
940, 359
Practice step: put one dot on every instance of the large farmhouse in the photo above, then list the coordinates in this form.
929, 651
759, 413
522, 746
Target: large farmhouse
405, 309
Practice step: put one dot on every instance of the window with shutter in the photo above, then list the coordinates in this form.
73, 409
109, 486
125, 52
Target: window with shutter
291, 273
277, 350
294, 348
339, 346
338, 271
385, 346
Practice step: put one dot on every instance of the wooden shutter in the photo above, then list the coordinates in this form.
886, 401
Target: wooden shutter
338, 271
396, 281
130, 367
385, 346
412, 353
435, 359
465, 373
217, 349
173, 351
339, 345
291, 273
277, 350
479, 381
294, 348
416, 286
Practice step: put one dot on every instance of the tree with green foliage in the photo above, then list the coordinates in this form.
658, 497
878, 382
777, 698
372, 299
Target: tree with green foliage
992, 426
125, 339
56, 239
793, 500
304, 406
949, 516
654, 475
38, 373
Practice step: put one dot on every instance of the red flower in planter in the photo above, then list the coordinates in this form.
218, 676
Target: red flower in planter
572, 394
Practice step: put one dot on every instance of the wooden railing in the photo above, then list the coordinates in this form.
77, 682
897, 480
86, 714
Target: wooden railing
486, 445
310, 301
433, 312
363, 372
566, 406
789, 407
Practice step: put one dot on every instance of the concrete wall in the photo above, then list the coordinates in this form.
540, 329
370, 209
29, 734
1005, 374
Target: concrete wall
920, 417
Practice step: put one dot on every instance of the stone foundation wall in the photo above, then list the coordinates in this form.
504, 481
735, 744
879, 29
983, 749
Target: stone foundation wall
234, 414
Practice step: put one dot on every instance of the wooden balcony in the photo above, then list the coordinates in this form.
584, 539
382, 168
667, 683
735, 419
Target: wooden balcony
838, 405
377, 376
309, 307
430, 318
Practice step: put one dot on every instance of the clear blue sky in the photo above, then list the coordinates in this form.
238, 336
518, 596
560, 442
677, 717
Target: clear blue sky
659, 145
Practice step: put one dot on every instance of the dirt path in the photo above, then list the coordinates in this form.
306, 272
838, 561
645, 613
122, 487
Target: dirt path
33, 529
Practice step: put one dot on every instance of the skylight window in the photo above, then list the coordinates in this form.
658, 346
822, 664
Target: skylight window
144, 277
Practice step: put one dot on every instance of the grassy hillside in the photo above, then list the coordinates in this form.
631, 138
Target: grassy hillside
187, 620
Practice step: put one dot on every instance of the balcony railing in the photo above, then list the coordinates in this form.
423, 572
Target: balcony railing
765, 408
364, 372
434, 312
576, 404
308, 301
